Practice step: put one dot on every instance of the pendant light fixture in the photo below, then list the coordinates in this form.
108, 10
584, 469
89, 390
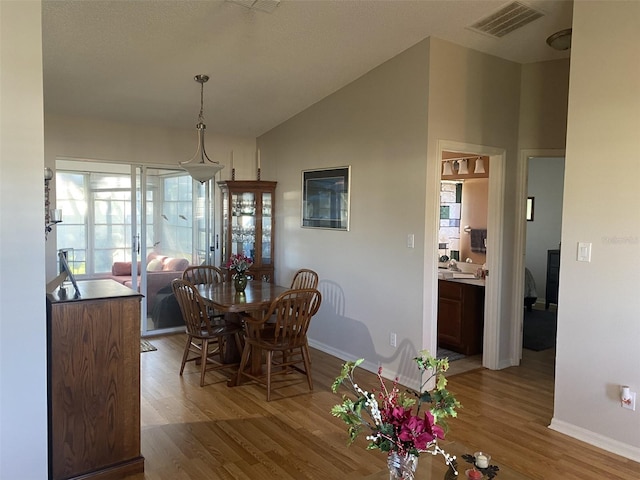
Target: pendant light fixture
201, 167
479, 166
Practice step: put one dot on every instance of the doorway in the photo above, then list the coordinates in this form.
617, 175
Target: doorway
545, 183
494, 332
464, 196
138, 225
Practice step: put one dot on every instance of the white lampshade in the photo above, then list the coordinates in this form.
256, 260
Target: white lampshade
201, 167
479, 168
463, 168
446, 168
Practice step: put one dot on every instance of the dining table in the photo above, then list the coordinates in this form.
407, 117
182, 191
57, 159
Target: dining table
255, 300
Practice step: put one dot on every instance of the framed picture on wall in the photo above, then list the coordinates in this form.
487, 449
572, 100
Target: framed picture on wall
325, 198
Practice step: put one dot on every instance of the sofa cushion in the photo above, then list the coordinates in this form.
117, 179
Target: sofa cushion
175, 264
122, 268
154, 265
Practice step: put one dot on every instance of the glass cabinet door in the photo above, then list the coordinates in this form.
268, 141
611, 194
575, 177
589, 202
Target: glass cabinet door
248, 224
243, 224
266, 228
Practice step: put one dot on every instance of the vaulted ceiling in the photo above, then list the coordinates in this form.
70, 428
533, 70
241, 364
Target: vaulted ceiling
134, 61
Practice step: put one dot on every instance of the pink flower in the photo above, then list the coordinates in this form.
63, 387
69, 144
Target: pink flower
420, 432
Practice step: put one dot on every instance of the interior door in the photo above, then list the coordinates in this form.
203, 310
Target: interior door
173, 229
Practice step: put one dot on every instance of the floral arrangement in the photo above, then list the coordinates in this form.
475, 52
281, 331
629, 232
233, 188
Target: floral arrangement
240, 263
389, 414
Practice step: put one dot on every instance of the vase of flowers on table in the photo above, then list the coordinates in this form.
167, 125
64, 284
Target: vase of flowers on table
403, 424
239, 263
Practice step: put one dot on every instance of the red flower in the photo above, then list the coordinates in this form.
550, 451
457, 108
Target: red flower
420, 432
396, 416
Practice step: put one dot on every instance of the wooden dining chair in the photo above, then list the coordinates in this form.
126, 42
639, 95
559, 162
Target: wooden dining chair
201, 274
205, 275
206, 338
304, 278
292, 311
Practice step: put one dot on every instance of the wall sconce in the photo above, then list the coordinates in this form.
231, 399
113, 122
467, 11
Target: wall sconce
51, 217
460, 166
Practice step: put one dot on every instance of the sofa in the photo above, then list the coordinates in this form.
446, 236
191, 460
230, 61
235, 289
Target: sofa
161, 270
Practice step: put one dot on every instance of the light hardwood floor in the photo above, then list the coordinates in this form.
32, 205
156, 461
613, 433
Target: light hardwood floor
217, 432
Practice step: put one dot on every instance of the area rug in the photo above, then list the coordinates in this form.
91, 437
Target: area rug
452, 356
146, 346
539, 330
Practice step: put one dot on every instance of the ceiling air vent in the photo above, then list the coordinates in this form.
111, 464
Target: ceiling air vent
507, 19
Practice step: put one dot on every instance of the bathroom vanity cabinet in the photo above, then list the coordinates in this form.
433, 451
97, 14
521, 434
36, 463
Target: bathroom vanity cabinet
460, 316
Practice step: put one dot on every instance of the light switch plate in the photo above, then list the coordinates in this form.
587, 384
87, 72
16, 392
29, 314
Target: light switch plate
410, 240
584, 252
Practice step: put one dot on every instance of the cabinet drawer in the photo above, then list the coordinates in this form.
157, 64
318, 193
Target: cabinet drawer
451, 290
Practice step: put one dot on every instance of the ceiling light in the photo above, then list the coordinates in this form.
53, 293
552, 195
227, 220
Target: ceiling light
446, 168
560, 40
479, 168
463, 169
201, 167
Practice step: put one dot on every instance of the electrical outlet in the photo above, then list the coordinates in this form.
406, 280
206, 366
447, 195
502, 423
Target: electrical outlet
392, 339
630, 402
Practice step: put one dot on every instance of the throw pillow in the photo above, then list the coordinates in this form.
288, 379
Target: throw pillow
121, 268
154, 265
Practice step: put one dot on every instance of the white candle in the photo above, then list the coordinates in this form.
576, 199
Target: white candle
258, 158
232, 159
482, 461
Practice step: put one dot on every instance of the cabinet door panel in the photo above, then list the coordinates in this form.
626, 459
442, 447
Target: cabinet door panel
449, 322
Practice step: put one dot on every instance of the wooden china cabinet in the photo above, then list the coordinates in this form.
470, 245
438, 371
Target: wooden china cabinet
248, 226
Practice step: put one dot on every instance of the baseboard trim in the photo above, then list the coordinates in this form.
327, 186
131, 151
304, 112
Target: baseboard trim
600, 441
367, 365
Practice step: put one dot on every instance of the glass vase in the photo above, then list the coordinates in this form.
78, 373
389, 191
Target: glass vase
240, 282
402, 467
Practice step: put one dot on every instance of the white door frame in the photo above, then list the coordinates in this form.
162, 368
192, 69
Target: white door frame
520, 241
492, 310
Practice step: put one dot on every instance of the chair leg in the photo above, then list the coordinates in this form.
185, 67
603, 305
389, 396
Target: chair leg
238, 342
243, 362
203, 360
186, 353
269, 361
307, 364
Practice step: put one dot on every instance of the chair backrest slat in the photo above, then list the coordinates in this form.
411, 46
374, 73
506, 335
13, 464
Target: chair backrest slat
293, 312
203, 274
192, 306
304, 278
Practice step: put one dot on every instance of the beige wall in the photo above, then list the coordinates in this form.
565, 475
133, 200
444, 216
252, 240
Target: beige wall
474, 98
598, 318
23, 378
378, 124
371, 281
543, 105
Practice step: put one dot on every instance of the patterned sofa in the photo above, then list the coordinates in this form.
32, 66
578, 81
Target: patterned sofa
161, 270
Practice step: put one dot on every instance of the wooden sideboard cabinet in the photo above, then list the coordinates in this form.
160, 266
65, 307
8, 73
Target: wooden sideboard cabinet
553, 278
460, 316
93, 348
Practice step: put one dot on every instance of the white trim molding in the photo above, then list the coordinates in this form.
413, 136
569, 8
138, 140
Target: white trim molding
520, 242
492, 357
600, 441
